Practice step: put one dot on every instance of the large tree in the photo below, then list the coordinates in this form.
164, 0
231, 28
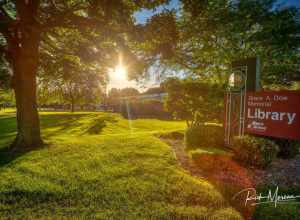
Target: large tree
25, 24
214, 33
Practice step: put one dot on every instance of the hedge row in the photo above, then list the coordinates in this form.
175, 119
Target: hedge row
144, 109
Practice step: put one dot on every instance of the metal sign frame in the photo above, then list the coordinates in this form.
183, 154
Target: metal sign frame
231, 93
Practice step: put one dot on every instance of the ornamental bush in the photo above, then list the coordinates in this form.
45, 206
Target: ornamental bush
254, 151
204, 135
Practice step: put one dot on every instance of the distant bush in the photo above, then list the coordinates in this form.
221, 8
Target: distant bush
254, 151
144, 109
204, 135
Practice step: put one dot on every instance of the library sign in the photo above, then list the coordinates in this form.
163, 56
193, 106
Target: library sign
275, 114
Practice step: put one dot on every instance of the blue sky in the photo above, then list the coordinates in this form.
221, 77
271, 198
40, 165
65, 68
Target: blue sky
143, 15
293, 2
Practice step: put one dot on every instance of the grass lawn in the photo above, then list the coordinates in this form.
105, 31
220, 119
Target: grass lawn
101, 166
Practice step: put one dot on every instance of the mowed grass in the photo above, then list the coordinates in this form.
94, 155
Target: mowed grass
101, 166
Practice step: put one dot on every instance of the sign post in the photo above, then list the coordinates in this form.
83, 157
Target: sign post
244, 77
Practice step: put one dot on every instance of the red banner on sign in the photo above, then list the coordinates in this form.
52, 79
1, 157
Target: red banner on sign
275, 114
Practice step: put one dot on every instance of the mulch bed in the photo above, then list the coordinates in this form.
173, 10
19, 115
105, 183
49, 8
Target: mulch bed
281, 173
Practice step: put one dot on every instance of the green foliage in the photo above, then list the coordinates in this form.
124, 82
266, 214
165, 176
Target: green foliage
214, 33
80, 175
6, 98
192, 100
5, 77
254, 151
161, 36
69, 76
144, 109
204, 135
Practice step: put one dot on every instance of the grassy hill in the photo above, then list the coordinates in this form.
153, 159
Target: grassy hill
101, 166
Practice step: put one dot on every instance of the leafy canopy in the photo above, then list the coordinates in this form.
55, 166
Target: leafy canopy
214, 33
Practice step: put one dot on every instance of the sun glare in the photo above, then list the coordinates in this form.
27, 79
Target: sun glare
120, 72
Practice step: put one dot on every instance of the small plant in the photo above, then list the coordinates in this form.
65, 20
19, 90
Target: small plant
204, 135
254, 151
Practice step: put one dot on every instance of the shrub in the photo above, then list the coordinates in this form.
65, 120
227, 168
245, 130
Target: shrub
254, 151
288, 148
204, 135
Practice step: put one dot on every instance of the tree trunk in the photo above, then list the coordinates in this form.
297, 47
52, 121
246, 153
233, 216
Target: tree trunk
25, 65
28, 125
72, 104
72, 107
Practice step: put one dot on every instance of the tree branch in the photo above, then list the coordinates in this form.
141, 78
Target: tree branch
70, 20
5, 13
6, 21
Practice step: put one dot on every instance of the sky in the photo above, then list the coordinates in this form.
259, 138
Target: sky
141, 17
293, 2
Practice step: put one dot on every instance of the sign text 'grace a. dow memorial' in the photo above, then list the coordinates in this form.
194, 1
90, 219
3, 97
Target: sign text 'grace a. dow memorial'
275, 114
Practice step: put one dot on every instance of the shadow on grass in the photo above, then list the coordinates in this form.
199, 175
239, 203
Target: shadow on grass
80, 124
7, 156
57, 124
7, 131
32, 198
58, 120
98, 124
52, 125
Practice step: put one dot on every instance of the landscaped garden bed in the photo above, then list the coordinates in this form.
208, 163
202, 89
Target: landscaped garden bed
217, 164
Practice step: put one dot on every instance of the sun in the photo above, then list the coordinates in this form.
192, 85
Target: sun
120, 72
